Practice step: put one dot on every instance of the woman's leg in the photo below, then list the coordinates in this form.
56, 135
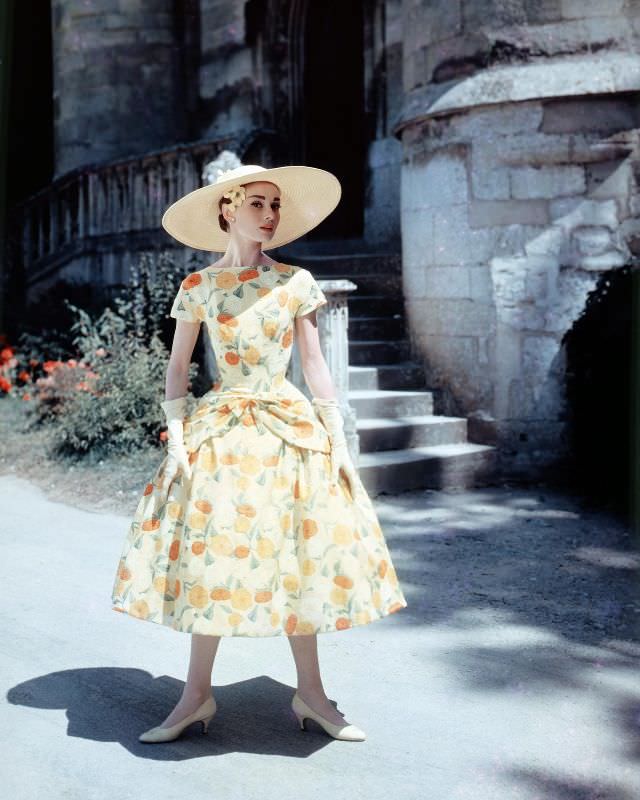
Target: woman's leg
198, 684
310, 688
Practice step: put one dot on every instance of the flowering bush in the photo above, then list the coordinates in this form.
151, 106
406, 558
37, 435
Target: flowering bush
104, 398
16, 374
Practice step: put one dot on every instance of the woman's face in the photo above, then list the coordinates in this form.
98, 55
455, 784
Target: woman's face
258, 217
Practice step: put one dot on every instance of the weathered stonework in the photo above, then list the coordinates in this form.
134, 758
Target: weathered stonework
500, 158
515, 199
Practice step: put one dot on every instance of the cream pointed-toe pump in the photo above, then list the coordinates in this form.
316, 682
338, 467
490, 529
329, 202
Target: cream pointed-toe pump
350, 733
202, 714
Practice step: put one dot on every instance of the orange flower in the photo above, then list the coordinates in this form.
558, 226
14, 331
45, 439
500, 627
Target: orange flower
195, 279
248, 274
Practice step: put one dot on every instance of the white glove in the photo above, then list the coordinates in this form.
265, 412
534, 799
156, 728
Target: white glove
329, 413
177, 456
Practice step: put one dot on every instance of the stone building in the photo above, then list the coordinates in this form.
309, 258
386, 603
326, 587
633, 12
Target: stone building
488, 151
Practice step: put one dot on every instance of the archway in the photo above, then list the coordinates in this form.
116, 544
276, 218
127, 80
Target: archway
601, 394
329, 110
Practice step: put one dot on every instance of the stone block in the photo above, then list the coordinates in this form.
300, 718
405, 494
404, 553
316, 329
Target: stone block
580, 9
589, 114
440, 178
451, 282
447, 58
414, 280
609, 179
546, 242
480, 284
438, 316
541, 11
489, 13
426, 23
498, 123
572, 212
488, 181
608, 260
593, 240
156, 36
383, 152
490, 213
525, 149
455, 242
517, 281
547, 182
416, 227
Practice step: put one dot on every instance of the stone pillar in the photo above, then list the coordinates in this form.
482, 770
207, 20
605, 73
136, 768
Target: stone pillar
333, 324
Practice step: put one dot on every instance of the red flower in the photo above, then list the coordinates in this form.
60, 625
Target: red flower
5, 385
51, 366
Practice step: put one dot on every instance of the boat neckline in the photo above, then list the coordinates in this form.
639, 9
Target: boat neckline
246, 266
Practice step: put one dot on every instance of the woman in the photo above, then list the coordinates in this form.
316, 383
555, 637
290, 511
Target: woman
256, 523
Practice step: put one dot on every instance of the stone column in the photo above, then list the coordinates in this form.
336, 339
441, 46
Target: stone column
333, 324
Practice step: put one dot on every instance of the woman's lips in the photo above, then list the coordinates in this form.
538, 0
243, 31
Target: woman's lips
266, 228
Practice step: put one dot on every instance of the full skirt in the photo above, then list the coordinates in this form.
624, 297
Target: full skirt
258, 542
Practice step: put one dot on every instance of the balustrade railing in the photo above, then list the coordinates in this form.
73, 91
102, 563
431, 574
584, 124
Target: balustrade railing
124, 196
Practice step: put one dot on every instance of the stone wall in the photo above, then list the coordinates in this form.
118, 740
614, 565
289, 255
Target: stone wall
519, 188
116, 80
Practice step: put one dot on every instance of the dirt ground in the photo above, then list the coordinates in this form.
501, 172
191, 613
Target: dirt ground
112, 485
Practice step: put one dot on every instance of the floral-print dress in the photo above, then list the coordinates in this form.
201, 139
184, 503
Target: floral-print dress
259, 542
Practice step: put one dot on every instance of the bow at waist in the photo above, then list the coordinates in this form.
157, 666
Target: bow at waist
293, 420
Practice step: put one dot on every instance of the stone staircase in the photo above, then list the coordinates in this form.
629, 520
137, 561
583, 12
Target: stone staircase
403, 443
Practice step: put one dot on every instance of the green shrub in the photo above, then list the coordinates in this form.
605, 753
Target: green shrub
106, 400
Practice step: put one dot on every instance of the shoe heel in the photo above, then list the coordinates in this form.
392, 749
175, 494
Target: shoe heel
301, 720
205, 723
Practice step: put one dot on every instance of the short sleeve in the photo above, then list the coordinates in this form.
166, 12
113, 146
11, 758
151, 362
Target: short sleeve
187, 304
309, 293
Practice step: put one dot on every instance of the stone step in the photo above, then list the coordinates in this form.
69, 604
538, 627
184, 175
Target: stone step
353, 264
362, 353
376, 434
459, 465
380, 283
403, 444
373, 305
368, 327
390, 403
402, 375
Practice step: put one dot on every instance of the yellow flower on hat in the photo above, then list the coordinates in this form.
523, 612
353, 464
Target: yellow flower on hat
237, 196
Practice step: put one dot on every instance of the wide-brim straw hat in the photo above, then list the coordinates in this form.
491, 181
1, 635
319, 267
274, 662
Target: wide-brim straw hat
307, 195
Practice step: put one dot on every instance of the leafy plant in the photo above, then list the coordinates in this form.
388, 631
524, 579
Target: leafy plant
105, 400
